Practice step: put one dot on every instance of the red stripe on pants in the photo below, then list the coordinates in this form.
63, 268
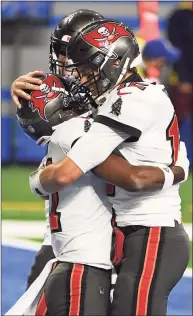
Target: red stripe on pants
148, 271
41, 309
75, 289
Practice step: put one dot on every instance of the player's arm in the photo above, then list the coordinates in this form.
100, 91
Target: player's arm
118, 171
107, 132
88, 152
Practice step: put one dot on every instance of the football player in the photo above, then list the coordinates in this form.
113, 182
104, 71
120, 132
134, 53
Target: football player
139, 120
25, 96
80, 215
22, 87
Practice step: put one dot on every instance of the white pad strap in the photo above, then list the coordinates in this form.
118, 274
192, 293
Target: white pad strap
169, 177
124, 70
35, 185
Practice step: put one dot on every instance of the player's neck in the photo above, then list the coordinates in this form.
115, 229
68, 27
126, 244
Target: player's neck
132, 77
128, 74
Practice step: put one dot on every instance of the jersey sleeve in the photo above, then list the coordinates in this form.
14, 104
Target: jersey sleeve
93, 148
127, 111
70, 132
124, 115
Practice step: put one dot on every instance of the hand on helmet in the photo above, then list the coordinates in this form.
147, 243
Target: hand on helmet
76, 94
25, 82
79, 93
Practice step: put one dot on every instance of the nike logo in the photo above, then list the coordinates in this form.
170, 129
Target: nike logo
122, 93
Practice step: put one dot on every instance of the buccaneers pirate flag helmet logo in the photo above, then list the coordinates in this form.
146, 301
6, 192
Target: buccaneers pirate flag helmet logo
106, 34
40, 98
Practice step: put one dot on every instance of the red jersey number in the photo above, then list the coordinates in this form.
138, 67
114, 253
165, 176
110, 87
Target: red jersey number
172, 134
55, 224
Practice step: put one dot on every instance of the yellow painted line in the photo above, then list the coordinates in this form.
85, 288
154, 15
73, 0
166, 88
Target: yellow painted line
22, 206
39, 206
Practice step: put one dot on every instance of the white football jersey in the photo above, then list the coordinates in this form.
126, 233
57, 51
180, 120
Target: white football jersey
139, 120
80, 215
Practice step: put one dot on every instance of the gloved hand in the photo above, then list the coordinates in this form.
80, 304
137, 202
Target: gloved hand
77, 94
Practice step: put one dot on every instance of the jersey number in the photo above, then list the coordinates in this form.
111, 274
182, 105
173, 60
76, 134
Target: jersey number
140, 85
172, 134
55, 224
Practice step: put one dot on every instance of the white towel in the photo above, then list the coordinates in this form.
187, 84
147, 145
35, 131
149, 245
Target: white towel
27, 303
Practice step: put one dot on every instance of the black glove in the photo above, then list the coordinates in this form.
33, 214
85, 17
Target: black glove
78, 94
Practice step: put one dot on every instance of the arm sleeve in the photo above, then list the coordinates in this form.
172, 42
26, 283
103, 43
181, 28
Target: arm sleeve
70, 133
35, 185
93, 148
129, 113
118, 119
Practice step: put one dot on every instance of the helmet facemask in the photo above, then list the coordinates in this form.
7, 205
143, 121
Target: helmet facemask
57, 57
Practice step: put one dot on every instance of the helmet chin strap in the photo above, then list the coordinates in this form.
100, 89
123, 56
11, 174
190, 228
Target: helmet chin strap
109, 54
136, 62
124, 70
103, 97
100, 100
54, 57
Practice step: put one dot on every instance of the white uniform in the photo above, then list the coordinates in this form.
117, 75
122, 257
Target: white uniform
47, 233
83, 216
81, 223
139, 119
